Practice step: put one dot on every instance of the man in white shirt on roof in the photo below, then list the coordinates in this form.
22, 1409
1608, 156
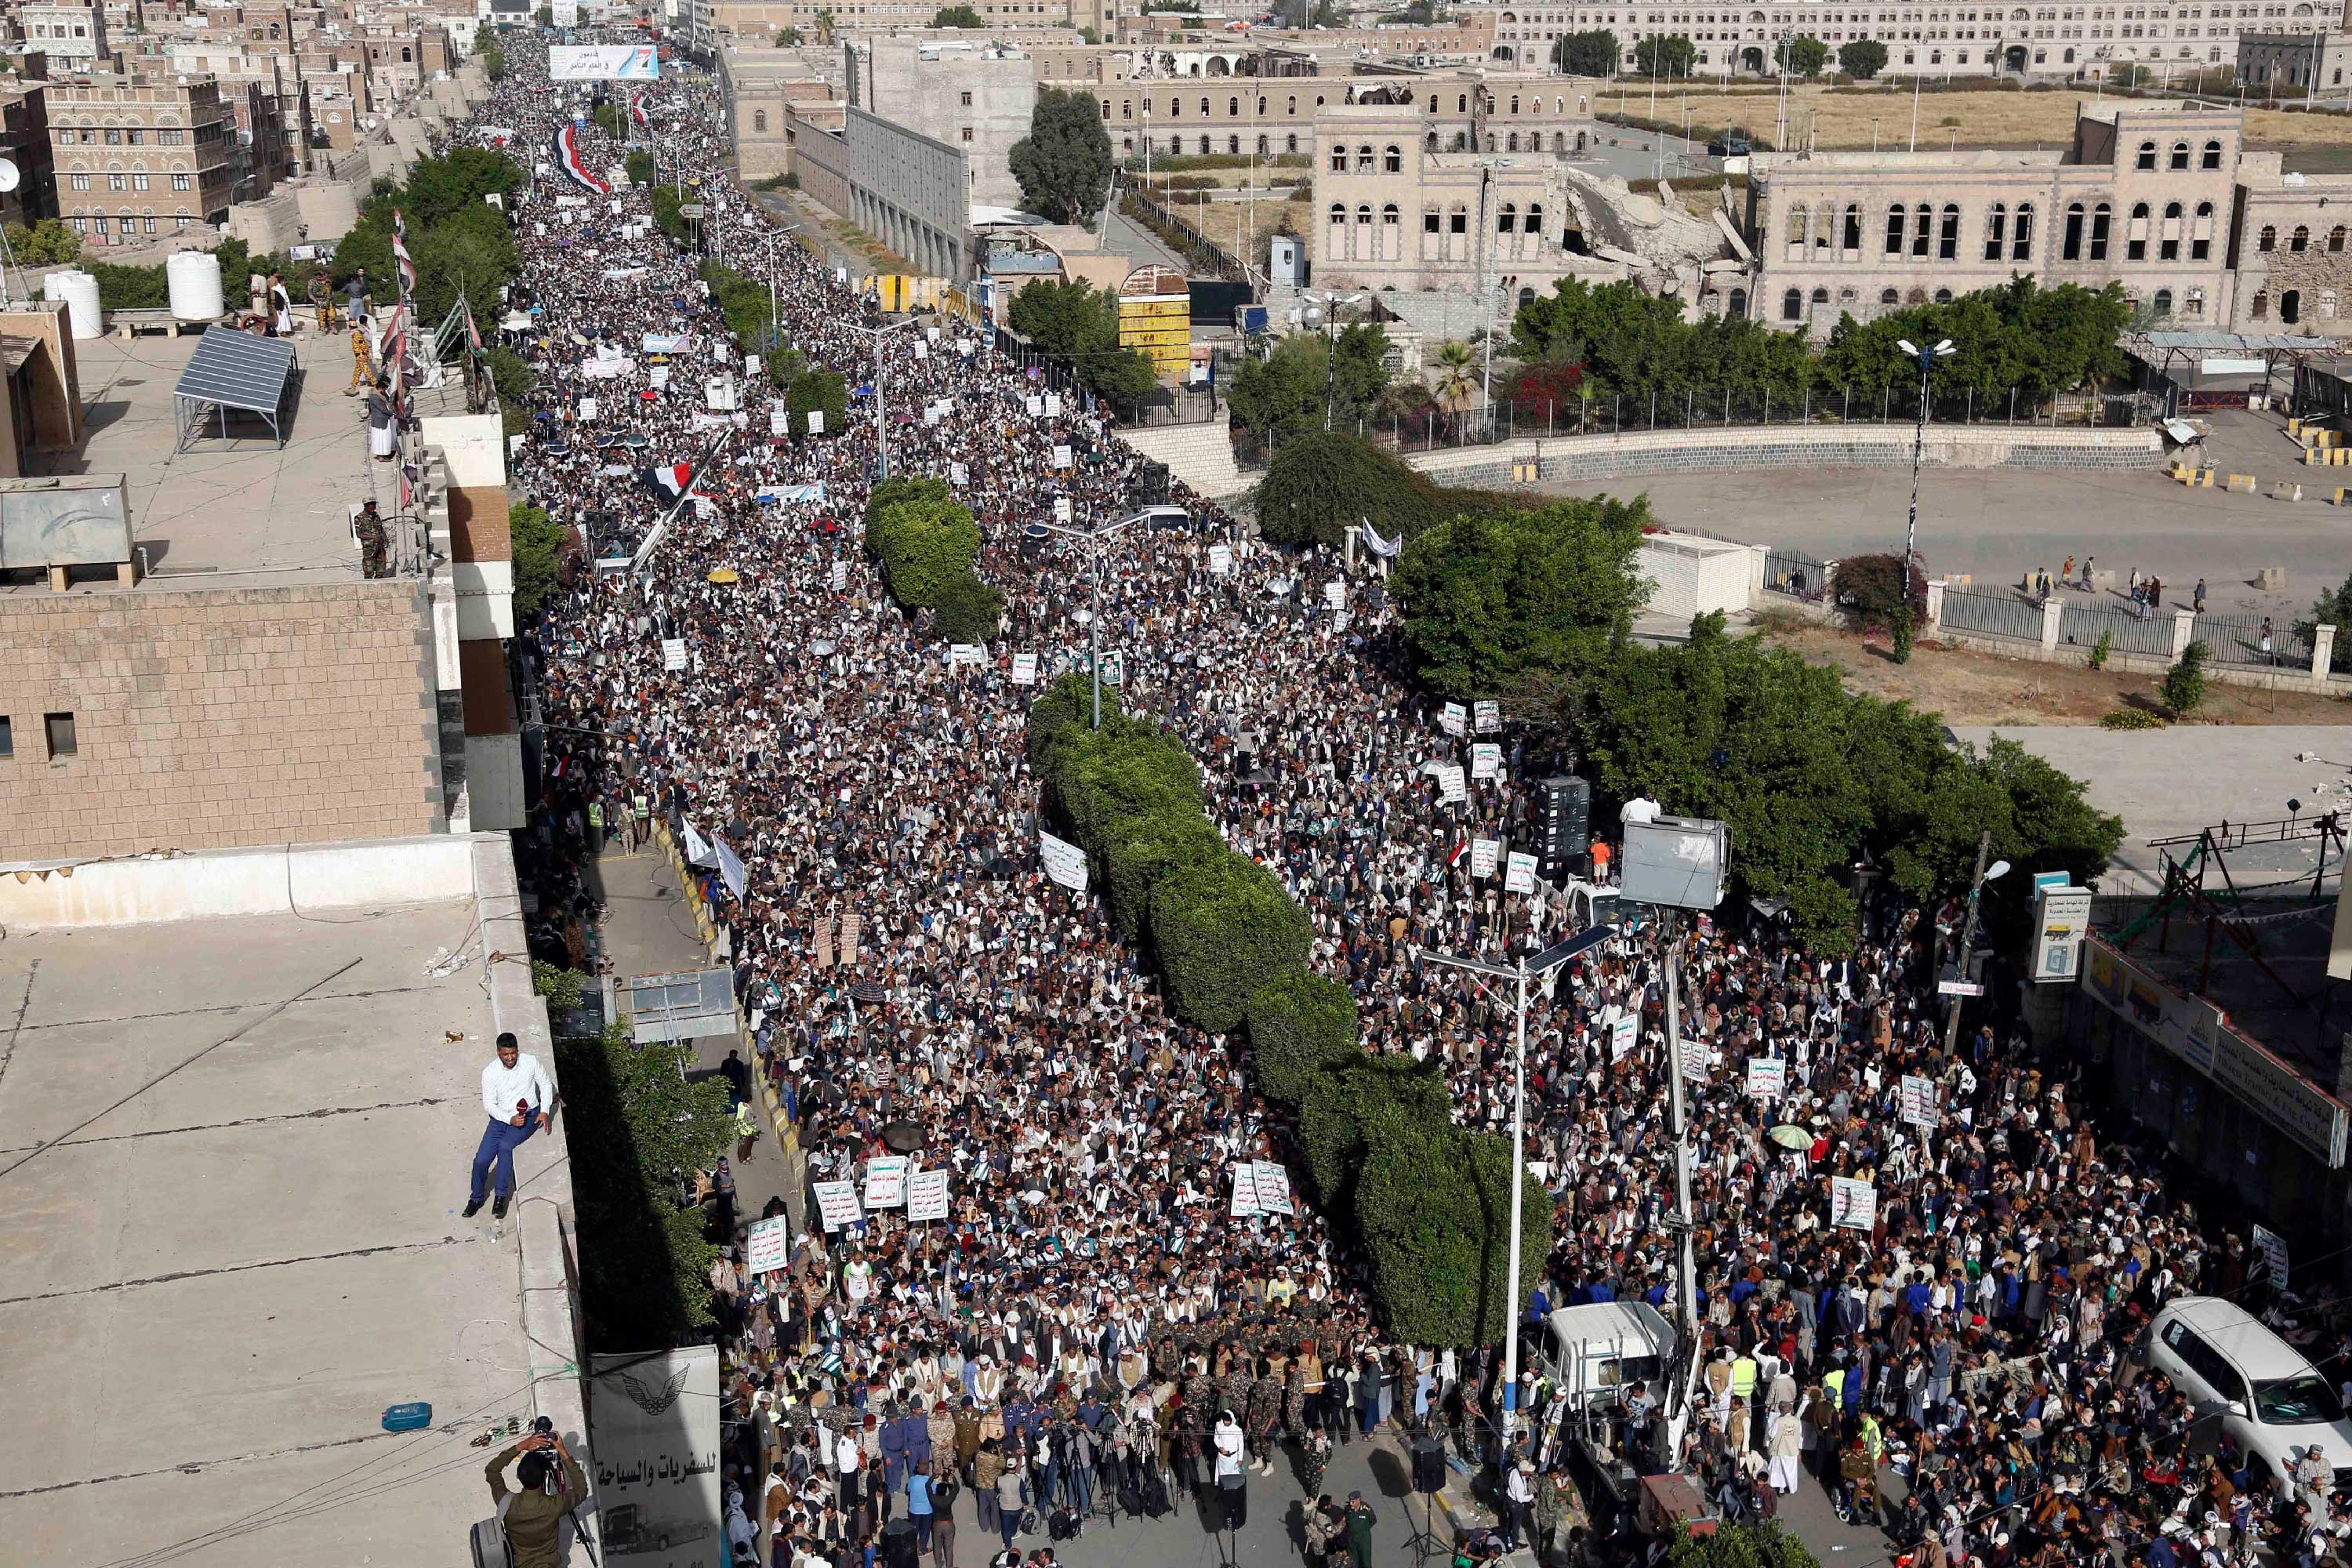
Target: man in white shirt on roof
518, 1098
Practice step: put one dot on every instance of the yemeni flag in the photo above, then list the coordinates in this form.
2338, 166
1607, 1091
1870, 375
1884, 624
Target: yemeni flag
637, 110
407, 267
673, 482
575, 166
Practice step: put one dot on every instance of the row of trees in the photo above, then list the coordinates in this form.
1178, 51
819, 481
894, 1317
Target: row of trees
1620, 341
1596, 51
926, 543
1536, 608
1430, 1203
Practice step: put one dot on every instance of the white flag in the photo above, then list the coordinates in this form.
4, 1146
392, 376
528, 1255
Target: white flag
730, 868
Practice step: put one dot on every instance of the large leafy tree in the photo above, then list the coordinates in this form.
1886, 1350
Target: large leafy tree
1284, 393
958, 16
1664, 55
1590, 53
1072, 321
1861, 58
1804, 54
1490, 601
1764, 1545
1064, 164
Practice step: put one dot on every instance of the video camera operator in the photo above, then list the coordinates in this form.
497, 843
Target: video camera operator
534, 1516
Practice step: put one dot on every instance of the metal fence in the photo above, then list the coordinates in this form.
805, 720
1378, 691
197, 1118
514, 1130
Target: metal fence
1796, 574
1204, 254
2081, 625
1993, 615
2241, 639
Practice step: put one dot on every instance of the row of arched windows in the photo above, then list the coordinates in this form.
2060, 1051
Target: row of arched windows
2299, 239
1924, 231
1508, 217
2212, 158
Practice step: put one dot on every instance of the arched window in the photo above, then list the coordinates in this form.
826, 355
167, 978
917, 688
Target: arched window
2172, 212
1943, 295
1364, 165
1851, 240
1290, 106
1507, 219
1739, 303
1511, 142
1339, 212
1234, 146
2212, 159
2335, 236
1514, 103
1948, 233
1533, 223
2069, 239
1996, 230
2268, 239
2181, 154
1896, 217
2290, 307
1392, 159
1796, 225
1890, 295
2102, 224
1820, 296
2260, 309
1233, 108
2020, 247
759, 121
1526, 298
1924, 220
2147, 160
2163, 303
1389, 215
1338, 160
1792, 305
2299, 240
1364, 215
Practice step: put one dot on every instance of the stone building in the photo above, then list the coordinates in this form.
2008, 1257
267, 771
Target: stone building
74, 36
1925, 38
2316, 62
975, 98
2289, 252
1454, 112
2143, 197
138, 157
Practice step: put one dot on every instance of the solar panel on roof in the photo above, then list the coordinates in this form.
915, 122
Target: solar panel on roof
237, 370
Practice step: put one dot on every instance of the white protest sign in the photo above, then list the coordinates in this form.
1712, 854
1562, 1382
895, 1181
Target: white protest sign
1025, 669
2272, 1246
587, 408
767, 1247
927, 1194
837, 1204
1624, 1035
1244, 1190
1768, 1078
1853, 1204
1490, 717
750, 363
1485, 854
673, 654
1520, 875
1451, 783
966, 653
1053, 405
780, 420
1450, 718
1334, 593
886, 1181
1273, 1187
1919, 1101
1061, 457
1220, 559
659, 379
1036, 404
1486, 760
1061, 509
1693, 1057
840, 576
1066, 863
958, 474
815, 418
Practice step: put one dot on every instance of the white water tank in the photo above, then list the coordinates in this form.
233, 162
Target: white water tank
78, 290
194, 278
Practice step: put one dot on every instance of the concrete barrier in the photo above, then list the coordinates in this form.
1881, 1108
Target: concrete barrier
283, 879
2242, 483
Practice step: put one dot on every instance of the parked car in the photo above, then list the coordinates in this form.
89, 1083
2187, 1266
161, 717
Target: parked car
2272, 1403
1730, 144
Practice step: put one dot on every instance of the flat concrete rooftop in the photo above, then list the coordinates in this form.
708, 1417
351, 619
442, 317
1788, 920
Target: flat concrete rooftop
247, 511
231, 1155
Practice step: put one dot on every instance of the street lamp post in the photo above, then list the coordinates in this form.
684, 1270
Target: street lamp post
1527, 969
1094, 537
1984, 874
881, 430
1322, 313
1927, 359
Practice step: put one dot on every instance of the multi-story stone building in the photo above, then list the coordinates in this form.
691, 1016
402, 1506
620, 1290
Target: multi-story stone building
74, 36
25, 141
1454, 111
141, 156
2314, 61
976, 98
1929, 37
2143, 197
2288, 250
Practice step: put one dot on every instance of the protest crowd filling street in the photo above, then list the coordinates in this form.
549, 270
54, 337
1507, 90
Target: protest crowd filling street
1068, 1334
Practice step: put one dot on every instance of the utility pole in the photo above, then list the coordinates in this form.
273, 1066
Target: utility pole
1969, 934
1686, 1261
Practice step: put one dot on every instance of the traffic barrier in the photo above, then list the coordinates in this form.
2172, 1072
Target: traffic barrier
2284, 491
2243, 482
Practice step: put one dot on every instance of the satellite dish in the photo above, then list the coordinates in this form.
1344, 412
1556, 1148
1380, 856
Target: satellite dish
9, 178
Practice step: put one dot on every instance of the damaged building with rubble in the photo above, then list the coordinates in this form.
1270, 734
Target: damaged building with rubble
1397, 214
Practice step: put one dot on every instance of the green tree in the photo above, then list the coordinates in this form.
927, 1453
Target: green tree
1283, 393
788, 37
1489, 601
1319, 485
1072, 321
494, 61
640, 167
1664, 55
1064, 165
1456, 364
1299, 1024
1591, 53
1804, 54
510, 373
539, 544
818, 391
637, 1124
1358, 369
958, 16
2184, 683
1861, 58
47, 243
2039, 820
825, 25
1432, 1205
1764, 1545
2333, 608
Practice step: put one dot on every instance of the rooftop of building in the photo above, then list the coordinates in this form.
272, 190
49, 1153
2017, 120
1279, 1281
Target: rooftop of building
245, 513
231, 1151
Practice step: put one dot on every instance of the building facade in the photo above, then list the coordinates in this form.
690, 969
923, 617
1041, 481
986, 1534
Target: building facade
2314, 61
976, 99
2290, 251
73, 36
138, 157
909, 191
2144, 198
1452, 112
1930, 38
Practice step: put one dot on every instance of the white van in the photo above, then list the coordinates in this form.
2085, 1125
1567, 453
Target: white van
1593, 1351
2272, 1405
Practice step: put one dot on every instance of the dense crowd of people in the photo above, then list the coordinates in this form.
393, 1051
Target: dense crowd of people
1089, 1321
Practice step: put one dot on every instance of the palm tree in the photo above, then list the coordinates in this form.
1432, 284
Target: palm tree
1454, 378
825, 27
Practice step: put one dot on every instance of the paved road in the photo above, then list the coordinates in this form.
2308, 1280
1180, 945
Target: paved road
1992, 523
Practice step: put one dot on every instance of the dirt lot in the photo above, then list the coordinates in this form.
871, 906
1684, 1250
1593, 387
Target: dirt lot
1844, 119
1242, 228
1968, 687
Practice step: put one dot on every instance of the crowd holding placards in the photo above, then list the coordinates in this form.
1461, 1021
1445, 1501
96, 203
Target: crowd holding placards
1068, 1333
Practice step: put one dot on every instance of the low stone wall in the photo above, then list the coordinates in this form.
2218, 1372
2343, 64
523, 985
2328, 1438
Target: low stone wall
1789, 447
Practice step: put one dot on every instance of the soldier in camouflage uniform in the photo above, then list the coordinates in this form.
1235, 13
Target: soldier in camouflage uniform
1264, 1409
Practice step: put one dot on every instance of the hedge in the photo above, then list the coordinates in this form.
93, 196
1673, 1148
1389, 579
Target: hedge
926, 543
1428, 1200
